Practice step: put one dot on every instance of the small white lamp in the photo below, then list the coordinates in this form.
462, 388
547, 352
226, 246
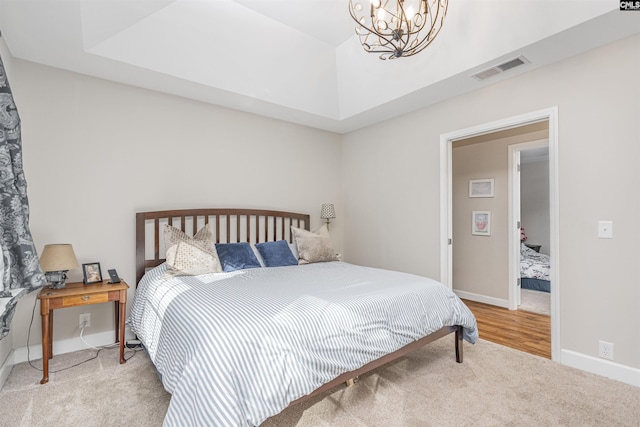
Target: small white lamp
328, 212
56, 260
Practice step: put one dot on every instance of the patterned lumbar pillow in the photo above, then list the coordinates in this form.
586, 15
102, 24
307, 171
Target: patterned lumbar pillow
190, 256
314, 246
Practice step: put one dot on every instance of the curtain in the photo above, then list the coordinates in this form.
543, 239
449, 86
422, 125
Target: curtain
20, 267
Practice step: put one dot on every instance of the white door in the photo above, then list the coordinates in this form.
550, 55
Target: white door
514, 226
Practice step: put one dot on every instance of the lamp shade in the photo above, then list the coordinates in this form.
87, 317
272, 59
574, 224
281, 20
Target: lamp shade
58, 257
328, 211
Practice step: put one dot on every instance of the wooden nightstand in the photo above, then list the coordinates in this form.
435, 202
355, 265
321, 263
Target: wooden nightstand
74, 295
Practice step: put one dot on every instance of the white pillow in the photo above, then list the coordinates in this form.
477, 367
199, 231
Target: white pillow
314, 246
190, 256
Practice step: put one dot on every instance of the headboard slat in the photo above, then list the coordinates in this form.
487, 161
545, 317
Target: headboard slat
151, 239
258, 230
156, 238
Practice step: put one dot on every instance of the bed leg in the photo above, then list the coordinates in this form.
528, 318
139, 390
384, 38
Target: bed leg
459, 344
352, 381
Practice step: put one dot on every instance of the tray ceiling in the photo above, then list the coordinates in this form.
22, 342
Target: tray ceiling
299, 60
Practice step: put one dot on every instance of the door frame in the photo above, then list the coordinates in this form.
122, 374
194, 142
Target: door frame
515, 216
446, 203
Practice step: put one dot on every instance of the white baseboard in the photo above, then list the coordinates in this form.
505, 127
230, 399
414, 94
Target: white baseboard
64, 346
605, 368
594, 365
482, 298
5, 369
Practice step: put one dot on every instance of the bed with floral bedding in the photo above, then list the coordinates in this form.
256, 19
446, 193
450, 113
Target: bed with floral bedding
534, 270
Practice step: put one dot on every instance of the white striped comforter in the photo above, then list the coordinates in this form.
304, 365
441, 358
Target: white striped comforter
236, 348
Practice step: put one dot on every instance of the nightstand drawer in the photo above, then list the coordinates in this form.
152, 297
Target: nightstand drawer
85, 299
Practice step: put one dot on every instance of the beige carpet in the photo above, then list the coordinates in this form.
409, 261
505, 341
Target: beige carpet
495, 386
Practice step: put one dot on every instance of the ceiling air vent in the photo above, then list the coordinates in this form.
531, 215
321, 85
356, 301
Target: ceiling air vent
500, 68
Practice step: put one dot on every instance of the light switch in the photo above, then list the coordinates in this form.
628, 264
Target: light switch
605, 229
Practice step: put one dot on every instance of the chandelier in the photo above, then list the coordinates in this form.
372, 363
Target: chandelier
396, 28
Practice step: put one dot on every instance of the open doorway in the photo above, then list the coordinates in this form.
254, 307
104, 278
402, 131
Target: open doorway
529, 209
510, 233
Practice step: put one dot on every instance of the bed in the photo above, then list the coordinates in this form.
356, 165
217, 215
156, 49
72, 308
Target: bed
236, 347
534, 270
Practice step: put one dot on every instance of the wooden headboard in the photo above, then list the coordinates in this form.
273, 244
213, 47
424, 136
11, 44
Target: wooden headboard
229, 226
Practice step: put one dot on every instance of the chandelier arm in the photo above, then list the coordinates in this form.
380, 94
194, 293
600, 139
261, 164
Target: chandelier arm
421, 46
381, 37
383, 41
411, 30
382, 34
436, 26
427, 12
418, 28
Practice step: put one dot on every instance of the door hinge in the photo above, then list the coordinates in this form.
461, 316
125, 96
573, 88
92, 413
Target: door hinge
519, 226
518, 167
450, 241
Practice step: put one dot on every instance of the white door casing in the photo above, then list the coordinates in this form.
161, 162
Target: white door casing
446, 247
514, 226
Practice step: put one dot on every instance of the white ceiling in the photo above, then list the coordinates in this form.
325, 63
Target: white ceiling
299, 60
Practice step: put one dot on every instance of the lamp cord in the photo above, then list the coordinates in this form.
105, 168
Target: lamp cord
99, 349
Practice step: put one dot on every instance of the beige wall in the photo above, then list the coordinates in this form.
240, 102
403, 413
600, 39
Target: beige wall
534, 203
481, 263
96, 152
75, 129
391, 182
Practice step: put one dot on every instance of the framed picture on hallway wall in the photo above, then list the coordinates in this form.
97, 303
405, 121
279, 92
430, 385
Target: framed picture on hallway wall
481, 223
481, 187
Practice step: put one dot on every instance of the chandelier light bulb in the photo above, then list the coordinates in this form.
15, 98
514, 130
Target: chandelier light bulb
409, 13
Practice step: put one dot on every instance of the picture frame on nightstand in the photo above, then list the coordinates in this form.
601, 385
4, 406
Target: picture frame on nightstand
92, 273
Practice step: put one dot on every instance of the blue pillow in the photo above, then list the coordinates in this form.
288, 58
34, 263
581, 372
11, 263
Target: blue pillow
236, 256
276, 254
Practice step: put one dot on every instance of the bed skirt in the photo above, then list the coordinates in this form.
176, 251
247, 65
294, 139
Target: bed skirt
535, 284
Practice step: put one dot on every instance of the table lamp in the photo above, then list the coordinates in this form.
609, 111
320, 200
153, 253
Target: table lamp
56, 260
328, 212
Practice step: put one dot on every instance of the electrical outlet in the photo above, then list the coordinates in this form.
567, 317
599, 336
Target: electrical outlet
606, 350
85, 317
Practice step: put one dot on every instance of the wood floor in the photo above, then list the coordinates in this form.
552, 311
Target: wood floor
522, 330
